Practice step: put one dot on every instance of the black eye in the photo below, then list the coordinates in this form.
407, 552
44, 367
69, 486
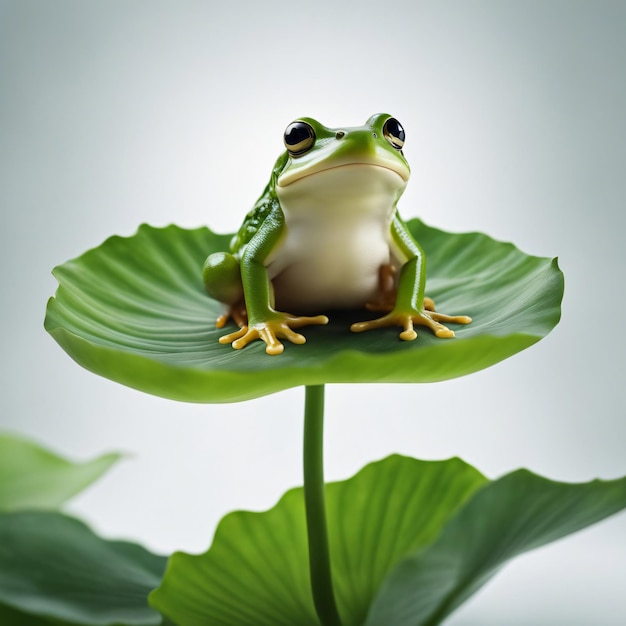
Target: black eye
394, 133
299, 138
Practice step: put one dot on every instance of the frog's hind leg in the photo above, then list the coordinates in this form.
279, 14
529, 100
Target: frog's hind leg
222, 281
385, 299
387, 290
237, 312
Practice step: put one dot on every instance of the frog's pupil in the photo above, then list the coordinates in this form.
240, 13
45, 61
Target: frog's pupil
299, 137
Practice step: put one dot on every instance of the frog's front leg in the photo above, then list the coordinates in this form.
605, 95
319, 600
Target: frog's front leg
264, 322
387, 292
408, 319
404, 299
410, 310
270, 330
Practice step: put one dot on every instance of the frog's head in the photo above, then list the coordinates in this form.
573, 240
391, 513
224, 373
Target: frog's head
312, 148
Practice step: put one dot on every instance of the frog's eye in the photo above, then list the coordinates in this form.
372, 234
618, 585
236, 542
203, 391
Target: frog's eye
299, 138
394, 133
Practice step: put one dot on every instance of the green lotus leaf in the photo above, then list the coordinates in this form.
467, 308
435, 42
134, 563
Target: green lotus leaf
519, 512
34, 478
410, 540
11, 617
53, 567
134, 310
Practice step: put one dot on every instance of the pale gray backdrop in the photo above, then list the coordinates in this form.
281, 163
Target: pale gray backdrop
117, 113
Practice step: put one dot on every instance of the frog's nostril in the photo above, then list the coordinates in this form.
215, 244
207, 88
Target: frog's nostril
339, 134
375, 135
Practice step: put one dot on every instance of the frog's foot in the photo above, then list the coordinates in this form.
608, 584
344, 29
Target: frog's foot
407, 320
236, 312
271, 330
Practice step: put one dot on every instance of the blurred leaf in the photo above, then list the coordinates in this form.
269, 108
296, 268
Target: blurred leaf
11, 617
512, 515
389, 509
34, 478
256, 571
134, 310
410, 540
55, 568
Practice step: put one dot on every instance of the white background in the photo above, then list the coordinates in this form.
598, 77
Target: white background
117, 113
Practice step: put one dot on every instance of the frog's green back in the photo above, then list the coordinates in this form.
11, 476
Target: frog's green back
267, 202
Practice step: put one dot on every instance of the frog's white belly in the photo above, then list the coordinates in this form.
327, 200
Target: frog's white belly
318, 270
337, 237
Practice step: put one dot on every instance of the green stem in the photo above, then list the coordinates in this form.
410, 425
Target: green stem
319, 556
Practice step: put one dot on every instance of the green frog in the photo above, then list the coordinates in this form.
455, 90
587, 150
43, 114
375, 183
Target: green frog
326, 235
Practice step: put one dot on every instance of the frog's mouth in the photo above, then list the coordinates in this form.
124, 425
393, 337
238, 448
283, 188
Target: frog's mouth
344, 189
298, 173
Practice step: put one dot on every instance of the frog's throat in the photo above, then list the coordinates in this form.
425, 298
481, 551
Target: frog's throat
295, 175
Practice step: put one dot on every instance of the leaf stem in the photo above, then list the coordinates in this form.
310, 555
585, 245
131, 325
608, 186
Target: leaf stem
319, 556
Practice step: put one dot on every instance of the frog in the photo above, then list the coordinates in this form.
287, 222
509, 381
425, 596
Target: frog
326, 235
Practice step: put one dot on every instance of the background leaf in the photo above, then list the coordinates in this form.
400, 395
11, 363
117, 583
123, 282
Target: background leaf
34, 478
512, 515
134, 310
256, 571
410, 540
11, 617
388, 510
54, 567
